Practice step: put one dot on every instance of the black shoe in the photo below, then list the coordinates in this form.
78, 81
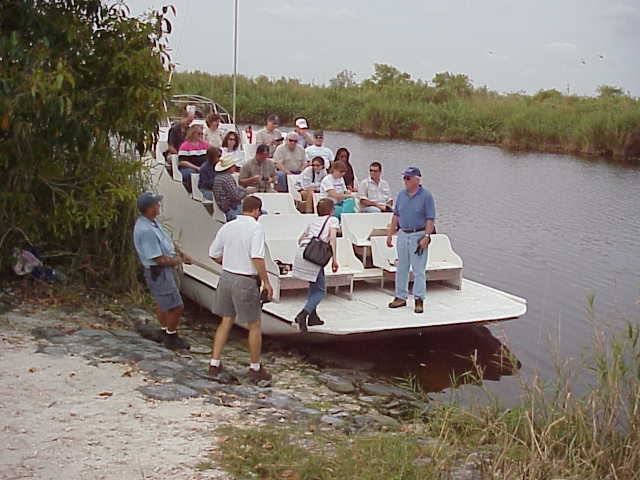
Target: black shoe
301, 320
314, 319
151, 333
419, 308
398, 302
175, 342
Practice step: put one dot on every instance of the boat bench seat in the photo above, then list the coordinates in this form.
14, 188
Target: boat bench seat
443, 264
284, 250
277, 203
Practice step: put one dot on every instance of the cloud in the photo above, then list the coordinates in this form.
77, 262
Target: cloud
562, 46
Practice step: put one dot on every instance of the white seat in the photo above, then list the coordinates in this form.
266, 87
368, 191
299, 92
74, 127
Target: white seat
217, 213
358, 227
293, 184
177, 174
285, 226
348, 266
277, 203
442, 263
196, 194
316, 197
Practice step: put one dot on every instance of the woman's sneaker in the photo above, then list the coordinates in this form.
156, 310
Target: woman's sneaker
301, 320
314, 320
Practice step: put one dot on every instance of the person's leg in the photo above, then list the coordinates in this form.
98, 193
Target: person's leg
207, 194
186, 177
402, 269
317, 291
221, 337
172, 318
255, 341
349, 205
161, 316
232, 213
281, 181
370, 209
337, 211
419, 266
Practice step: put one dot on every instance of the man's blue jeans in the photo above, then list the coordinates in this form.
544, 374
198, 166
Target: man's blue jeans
317, 291
406, 245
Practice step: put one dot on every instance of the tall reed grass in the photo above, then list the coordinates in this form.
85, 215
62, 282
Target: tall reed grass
549, 122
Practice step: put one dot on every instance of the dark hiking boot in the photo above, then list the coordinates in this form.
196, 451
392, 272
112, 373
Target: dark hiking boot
418, 306
214, 371
301, 320
259, 375
398, 302
314, 319
175, 342
151, 333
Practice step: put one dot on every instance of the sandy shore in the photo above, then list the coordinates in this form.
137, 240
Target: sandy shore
63, 418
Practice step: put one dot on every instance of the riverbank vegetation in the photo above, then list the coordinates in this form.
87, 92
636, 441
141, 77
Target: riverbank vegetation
446, 109
552, 433
81, 84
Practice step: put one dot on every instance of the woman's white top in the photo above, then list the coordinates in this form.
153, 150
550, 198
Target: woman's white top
331, 183
304, 269
237, 154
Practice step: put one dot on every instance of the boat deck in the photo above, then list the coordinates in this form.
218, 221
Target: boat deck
367, 310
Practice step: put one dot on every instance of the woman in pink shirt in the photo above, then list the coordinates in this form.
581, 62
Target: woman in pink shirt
192, 154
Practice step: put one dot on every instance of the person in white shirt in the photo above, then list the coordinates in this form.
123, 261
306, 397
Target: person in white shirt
333, 187
317, 150
310, 178
325, 227
239, 247
231, 146
213, 135
374, 193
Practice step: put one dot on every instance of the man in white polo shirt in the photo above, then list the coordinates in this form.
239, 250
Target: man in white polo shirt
239, 247
374, 192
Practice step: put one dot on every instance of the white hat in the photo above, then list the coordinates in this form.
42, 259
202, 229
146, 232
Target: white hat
191, 108
226, 162
292, 136
301, 123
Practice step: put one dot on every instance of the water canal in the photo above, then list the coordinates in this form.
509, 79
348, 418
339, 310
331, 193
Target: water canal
554, 229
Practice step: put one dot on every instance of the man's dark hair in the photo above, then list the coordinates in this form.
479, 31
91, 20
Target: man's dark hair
251, 203
376, 164
262, 148
273, 118
213, 155
325, 207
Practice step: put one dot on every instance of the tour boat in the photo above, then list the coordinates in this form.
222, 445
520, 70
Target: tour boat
357, 294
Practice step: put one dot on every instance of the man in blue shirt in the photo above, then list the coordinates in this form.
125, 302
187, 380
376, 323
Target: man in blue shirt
159, 256
412, 219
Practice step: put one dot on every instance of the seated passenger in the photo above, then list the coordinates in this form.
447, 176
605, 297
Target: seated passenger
343, 155
178, 130
208, 173
289, 159
269, 134
259, 172
192, 154
317, 150
334, 187
231, 146
374, 193
310, 180
302, 129
213, 134
226, 192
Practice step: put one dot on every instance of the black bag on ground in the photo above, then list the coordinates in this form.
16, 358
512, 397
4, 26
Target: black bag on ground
317, 251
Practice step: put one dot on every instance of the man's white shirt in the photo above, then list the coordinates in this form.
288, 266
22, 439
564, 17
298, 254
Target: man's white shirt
237, 242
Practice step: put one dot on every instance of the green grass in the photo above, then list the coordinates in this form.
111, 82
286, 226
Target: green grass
547, 121
552, 433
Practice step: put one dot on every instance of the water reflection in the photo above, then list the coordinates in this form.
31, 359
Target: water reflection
441, 358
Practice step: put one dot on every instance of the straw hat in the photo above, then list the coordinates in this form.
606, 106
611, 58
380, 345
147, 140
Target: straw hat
226, 162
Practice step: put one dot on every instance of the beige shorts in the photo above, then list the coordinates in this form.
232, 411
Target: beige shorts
238, 296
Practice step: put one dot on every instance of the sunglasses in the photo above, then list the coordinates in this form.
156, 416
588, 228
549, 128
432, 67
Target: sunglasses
319, 136
318, 165
293, 141
405, 178
373, 170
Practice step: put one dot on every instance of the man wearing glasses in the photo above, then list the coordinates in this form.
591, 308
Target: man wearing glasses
318, 150
412, 219
289, 159
374, 192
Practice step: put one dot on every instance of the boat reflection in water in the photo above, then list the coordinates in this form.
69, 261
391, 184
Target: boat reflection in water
442, 358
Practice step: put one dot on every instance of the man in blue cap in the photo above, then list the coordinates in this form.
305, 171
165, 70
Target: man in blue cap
413, 218
159, 256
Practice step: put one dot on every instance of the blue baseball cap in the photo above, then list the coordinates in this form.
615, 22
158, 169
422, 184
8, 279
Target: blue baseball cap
147, 199
411, 172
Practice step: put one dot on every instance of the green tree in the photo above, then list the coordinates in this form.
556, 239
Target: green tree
344, 79
79, 80
385, 75
454, 84
608, 91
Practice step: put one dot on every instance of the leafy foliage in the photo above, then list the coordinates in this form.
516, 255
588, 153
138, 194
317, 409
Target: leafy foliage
79, 80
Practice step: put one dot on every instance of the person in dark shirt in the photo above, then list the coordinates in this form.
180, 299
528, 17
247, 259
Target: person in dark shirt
343, 155
227, 193
208, 173
178, 130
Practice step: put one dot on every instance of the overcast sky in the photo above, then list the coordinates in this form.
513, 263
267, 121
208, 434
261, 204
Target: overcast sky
507, 45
